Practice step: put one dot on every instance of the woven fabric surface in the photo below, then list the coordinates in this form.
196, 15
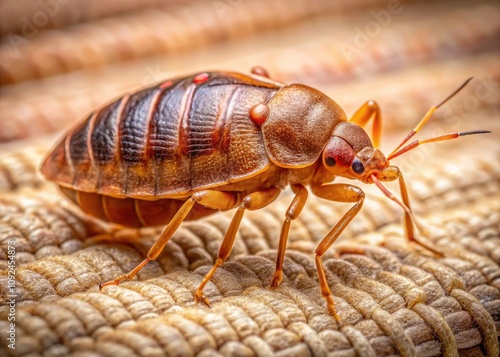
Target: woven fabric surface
394, 298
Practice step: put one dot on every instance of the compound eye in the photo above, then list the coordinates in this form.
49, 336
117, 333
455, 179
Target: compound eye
338, 153
358, 167
330, 161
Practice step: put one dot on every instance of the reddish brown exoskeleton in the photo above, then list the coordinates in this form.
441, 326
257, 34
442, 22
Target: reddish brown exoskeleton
211, 142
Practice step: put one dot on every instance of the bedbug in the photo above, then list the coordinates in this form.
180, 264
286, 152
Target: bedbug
192, 146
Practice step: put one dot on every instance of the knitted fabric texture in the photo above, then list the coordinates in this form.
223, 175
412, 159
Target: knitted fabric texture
394, 298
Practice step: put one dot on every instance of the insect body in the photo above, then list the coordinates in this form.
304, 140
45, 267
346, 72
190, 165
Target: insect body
215, 141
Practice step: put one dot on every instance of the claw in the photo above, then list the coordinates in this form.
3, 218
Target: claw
438, 253
115, 282
200, 297
129, 276
348, 250
331, 308
277, 279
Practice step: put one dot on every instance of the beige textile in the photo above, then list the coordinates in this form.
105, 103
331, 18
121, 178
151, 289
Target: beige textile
394, 298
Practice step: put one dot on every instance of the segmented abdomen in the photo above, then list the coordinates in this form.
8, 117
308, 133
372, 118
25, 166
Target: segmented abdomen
131, 212
167, 140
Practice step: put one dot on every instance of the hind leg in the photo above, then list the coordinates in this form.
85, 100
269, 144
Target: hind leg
212, 199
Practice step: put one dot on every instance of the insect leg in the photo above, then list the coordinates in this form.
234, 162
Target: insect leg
292, 213
211, 199
405, 205
367, 111
408, 222
253, 201
339, 193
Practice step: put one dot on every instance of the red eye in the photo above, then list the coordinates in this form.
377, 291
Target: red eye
338, 153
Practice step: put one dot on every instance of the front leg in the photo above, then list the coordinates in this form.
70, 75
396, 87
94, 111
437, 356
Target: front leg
405, 204
340, 193
409, 224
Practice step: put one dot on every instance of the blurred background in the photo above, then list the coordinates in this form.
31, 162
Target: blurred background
59, 59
